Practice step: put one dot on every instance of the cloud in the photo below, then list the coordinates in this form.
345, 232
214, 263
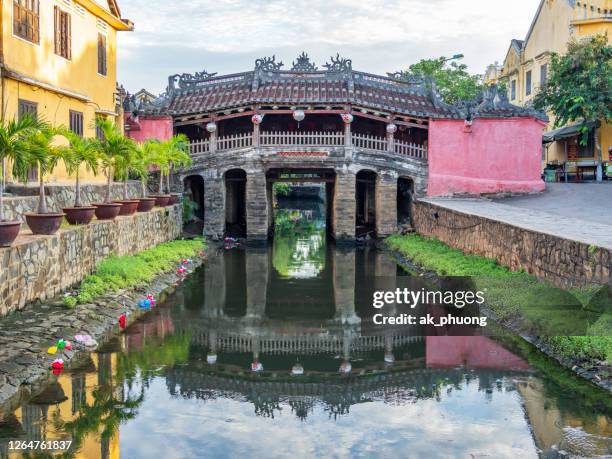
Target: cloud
379, 35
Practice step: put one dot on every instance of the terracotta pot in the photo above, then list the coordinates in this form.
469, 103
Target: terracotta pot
107, 211
8, 233
44, 223
79, 215
161, 200
128, 207
175, 198
146, 204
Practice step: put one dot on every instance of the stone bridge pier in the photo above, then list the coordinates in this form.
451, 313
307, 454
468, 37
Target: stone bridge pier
362, 192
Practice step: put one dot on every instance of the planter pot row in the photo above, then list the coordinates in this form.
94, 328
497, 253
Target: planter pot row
49, 223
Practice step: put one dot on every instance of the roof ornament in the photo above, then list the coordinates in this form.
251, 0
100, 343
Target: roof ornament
268, 64
303, 64
339, 64
188, 80
406, 77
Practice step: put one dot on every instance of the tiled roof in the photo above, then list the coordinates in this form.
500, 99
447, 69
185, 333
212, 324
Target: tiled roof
304, 85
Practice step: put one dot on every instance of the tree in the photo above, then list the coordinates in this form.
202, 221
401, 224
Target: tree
13, 135
81, 151
145, 157
44, 154
114, 150
170, 153
452, 80
579, 88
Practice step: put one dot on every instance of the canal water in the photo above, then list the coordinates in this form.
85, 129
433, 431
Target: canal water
180, 382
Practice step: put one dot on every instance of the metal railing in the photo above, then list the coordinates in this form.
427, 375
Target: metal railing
309, 139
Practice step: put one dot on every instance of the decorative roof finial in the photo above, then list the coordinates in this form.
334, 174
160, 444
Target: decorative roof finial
339, 64
268, 64
303, 64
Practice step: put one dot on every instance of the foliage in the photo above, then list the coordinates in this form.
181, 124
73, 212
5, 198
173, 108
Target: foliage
452, 80
145, 154
579, 87
170, 153
189, 208
116, 152
12, 147
130, 271
544, 309
281, 189
81, 151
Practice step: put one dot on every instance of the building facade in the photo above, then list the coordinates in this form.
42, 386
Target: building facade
58, 61
527, 65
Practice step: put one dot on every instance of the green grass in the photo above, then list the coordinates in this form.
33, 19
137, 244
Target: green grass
131, 271
544, 310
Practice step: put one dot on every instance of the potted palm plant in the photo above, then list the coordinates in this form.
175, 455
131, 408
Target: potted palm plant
144, 159
112, 147
178, 155
43, 154
12, 137
124, 166
82, 152
162, 161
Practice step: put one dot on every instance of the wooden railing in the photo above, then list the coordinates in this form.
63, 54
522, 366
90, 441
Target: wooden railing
306, 139
410, 149
309, 139
369, 142
234, 142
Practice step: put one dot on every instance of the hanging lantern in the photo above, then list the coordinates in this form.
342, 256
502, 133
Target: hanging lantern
347, 118
299, 115
391, 128
211, 127
257, 118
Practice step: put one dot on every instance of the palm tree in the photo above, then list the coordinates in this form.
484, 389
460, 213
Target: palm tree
145, 157
177, 149
82, 151
41, 152
13, 147
114, 150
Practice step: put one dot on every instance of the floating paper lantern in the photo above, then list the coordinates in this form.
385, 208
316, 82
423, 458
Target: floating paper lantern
257, 118
52, 350
391, 128
122, 321
211, 127
58, 364
347, 118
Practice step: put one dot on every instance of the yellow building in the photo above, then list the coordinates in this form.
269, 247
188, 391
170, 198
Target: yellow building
58, 60
527, 64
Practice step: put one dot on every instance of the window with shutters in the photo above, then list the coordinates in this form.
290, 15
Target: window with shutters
102, 64
76, 122
63, 33
25, 107
26, 20
528, 83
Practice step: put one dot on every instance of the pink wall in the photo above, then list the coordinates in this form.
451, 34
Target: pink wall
154, 127
498, 155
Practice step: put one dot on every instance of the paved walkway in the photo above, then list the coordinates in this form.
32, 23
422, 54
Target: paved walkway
580, 212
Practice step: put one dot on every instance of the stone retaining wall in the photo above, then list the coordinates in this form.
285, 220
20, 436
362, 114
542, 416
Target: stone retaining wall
40, 267
564, 263
25, 198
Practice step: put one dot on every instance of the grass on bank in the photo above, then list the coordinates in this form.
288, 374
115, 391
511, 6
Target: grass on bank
115, 273
547, 311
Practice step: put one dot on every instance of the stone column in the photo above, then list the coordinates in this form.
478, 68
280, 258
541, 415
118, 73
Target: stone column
257, 282
390, 142
213, 141
257, 207
344, 207
344, 286
255, 135
348, 140
214, 207
386, 205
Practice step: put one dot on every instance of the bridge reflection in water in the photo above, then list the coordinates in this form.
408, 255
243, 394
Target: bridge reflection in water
181, 381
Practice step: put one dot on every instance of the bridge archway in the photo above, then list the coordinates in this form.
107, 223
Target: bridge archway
235, 203
365, 197
405, 192
194, 191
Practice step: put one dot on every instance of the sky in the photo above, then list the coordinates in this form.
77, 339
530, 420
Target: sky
380, 36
